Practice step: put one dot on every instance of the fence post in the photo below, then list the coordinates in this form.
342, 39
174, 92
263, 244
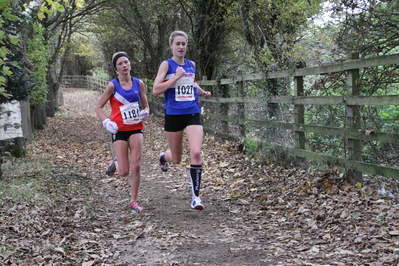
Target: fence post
299, 117
241, 110
224, 92
89, 82
353, 115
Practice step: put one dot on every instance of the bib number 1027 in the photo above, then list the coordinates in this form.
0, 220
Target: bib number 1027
184, 90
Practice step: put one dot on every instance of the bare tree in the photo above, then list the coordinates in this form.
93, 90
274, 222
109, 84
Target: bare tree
59, 28
369, 27
271, 28
209, 26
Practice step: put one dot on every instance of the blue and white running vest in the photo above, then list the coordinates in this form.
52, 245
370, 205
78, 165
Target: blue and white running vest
182, 97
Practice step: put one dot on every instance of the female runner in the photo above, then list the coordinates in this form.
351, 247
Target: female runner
176, 80
125, 93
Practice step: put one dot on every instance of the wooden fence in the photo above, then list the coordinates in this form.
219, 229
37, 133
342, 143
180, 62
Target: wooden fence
91, 83
242, 110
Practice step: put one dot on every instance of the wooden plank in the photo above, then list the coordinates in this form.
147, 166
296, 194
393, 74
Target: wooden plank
378, 136
235, 100
371, 169
367, 168
325, 69
259, 123
323, 130
348, 100
343, 132
218, 117
348, 65
271, 124
207, 82
281, 99
280, 74
372, 100
321, 100
249, 77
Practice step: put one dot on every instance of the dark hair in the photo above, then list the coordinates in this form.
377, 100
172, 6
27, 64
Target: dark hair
116, 56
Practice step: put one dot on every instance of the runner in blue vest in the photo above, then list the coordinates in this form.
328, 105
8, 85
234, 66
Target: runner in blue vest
176, 80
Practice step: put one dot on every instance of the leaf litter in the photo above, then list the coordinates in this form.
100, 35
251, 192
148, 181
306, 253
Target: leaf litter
58, 207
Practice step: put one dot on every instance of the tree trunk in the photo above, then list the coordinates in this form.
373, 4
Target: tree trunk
53, 85
38, 117
26, 119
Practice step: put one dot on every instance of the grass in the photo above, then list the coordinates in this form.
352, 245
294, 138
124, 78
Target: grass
20, 179
34, 179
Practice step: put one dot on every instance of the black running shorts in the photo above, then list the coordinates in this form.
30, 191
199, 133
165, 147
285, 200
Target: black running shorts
125, 135
175, 123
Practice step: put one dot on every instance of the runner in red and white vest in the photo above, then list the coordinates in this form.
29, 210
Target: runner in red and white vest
125, 94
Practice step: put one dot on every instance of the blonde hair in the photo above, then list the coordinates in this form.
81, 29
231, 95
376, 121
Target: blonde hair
177, 33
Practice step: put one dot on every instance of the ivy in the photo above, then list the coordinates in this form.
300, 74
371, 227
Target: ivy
6, 39
38, 51
50, 7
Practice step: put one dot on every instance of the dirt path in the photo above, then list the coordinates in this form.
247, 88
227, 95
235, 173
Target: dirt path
59, 208
169, 232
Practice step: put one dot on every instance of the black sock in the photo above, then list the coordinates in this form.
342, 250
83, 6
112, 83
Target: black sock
195, 175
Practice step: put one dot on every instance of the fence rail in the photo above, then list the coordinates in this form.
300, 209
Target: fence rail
91, 83
280, 124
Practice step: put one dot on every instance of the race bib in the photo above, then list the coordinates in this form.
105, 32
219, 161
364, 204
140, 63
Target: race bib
184, 90
130, 113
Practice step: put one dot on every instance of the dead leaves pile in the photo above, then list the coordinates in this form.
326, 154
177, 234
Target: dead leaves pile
49, 212
310, 218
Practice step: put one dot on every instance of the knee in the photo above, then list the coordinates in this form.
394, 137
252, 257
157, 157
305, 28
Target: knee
135, 167
177, 160
196, 155
123, 172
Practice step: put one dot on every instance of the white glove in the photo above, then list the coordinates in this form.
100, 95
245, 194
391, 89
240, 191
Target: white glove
144, 115
111, 126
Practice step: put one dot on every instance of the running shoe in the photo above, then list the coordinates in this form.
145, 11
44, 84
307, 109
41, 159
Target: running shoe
197, 204
163, 165
135, 206
111, 168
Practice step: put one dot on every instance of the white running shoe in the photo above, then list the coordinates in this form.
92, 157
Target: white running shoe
197, 204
